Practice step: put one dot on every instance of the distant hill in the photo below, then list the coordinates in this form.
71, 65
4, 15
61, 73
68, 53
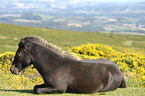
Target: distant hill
121, 17
10, 35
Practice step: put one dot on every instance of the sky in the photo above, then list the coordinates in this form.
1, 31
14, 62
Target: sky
118, 0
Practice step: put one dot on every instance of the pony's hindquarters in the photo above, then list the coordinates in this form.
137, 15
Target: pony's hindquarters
113, 82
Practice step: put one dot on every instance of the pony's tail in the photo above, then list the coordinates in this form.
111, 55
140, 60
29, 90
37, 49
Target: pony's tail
123, 83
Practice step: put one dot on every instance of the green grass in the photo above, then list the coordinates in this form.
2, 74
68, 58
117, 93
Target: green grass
118, 92
10, 35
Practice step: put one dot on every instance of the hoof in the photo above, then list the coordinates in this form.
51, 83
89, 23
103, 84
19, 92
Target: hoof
36, 90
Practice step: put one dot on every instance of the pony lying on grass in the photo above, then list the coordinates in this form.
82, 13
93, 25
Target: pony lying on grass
63, 72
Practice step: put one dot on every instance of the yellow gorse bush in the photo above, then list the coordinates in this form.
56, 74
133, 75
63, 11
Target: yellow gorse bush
26, 80
132, 64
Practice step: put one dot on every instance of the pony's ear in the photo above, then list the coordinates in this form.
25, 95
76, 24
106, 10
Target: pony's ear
23, 42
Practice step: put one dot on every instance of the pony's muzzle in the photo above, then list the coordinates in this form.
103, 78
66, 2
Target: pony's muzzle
14, 70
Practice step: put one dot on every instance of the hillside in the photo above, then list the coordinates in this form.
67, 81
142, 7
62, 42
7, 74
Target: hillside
10, 35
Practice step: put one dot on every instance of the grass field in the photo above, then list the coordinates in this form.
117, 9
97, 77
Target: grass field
118, 92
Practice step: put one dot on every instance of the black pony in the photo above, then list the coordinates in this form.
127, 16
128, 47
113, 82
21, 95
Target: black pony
63, 72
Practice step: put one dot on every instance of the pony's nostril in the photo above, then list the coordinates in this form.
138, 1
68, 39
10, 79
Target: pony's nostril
12, 70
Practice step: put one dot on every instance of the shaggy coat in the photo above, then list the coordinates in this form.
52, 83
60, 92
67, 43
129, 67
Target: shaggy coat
63, 72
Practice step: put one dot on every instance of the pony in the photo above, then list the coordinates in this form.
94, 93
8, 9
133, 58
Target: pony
63, 72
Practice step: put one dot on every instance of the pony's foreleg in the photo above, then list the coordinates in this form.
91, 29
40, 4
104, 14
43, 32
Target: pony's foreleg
37, 87
42, 89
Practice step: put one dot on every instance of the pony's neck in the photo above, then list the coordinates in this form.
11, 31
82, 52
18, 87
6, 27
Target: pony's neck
45, 60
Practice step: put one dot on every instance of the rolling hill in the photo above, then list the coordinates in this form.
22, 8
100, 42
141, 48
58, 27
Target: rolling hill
10, 35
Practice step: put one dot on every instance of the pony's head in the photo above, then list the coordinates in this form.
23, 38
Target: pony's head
22, 57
